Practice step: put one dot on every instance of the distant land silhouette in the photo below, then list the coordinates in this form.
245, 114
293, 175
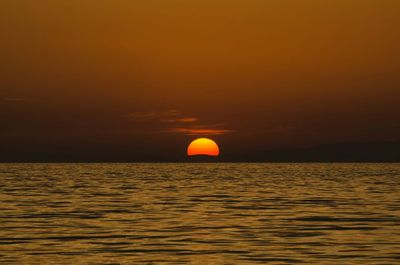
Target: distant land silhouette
340, 152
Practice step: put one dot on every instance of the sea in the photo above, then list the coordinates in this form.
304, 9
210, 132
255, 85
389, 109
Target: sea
200, 213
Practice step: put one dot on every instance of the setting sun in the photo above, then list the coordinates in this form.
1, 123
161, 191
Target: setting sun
203, 146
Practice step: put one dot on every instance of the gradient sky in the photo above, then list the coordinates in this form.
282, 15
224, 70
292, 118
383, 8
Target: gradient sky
133, 80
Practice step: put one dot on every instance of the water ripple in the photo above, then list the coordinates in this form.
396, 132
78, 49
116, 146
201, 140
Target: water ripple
200, 213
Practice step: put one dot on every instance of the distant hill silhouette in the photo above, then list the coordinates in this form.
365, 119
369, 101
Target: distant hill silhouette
341, 152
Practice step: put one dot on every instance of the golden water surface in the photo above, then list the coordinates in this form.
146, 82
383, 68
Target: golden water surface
200, 213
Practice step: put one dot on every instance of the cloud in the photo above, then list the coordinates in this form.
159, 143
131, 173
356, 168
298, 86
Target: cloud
152, 115
199, 131
173, 121
140, 115
181, 120
167, 116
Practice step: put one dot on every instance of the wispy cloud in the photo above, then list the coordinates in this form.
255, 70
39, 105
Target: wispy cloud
194, 131
168, 116
153, 115
181, 120
173, 121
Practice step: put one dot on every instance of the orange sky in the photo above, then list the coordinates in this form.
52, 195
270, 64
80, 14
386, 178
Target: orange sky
129, 79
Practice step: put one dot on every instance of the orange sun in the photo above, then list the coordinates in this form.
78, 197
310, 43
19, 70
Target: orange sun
203, 146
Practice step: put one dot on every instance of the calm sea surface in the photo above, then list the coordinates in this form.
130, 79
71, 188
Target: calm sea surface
200, 213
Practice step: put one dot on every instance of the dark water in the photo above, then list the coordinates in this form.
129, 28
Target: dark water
200, 213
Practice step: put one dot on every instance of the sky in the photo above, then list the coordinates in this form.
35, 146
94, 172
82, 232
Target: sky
128, 80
